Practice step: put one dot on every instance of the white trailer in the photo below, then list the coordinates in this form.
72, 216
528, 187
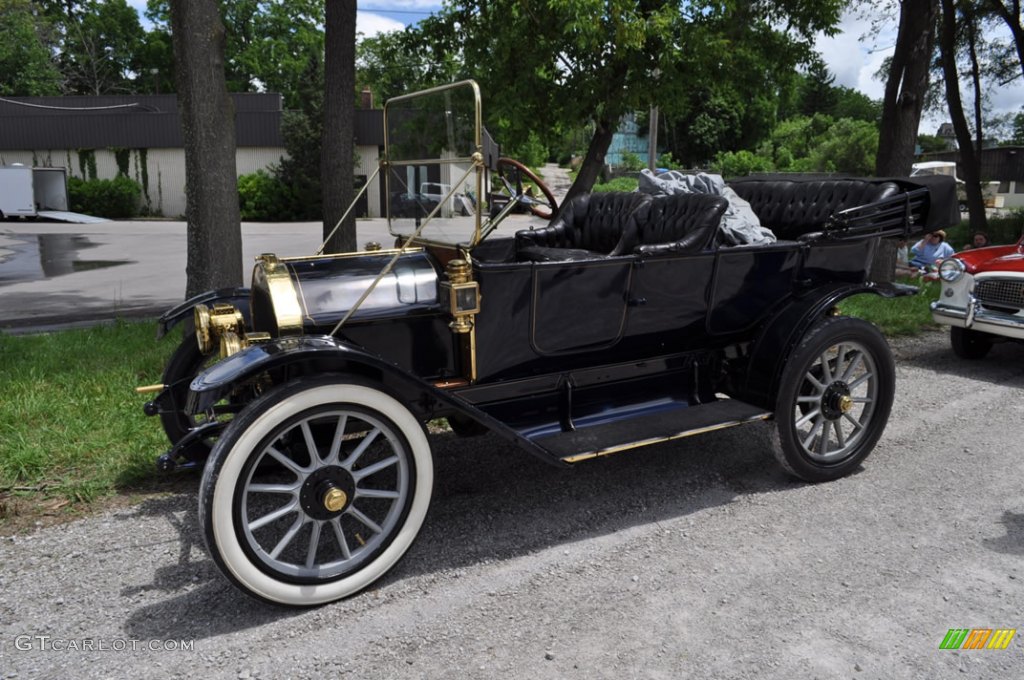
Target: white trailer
36, 192
948, 168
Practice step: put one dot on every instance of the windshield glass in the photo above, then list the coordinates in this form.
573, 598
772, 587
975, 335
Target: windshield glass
430, 139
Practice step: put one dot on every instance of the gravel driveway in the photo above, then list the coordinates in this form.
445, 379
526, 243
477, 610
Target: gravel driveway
692, 559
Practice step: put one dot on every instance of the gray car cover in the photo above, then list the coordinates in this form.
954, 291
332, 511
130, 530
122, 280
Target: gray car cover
740, 225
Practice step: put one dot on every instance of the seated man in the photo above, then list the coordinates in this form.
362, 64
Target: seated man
930, 250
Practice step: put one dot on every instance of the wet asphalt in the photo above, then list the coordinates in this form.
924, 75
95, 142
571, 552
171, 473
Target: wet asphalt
56, 275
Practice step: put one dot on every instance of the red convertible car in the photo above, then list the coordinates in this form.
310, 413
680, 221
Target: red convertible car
982, 299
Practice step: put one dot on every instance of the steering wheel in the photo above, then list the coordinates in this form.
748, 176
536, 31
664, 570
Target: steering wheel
512, 174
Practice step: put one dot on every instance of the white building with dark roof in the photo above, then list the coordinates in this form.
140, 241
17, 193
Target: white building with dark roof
140, 135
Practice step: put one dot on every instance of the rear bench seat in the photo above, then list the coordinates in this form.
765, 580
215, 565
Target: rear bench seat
794, 208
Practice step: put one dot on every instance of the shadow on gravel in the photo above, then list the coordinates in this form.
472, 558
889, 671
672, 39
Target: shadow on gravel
491, 503
214, 608
1013, 542
1004, 364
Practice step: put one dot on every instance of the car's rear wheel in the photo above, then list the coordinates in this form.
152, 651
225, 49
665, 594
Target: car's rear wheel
834, 399
315, 491
969, 344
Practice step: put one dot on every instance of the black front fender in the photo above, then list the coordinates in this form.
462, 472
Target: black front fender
320, 354
239, 297
781, 334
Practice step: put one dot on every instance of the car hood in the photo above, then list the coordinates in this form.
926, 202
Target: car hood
994, 258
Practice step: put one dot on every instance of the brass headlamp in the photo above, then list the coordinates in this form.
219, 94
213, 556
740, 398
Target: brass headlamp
224, 326
461, 296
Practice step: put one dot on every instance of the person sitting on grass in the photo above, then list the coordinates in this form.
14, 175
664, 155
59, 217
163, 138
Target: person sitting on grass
978, 240
903, 267
929, 251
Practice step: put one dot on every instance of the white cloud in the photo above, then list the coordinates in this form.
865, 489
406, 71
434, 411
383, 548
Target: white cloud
370, 24
855, 53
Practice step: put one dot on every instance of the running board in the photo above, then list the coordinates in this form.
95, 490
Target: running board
653, 428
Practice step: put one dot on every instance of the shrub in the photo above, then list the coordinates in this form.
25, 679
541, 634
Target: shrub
666, 161
1006, 228
112, 198
618, 184
531, 153
740, 163
263, 197
632, 162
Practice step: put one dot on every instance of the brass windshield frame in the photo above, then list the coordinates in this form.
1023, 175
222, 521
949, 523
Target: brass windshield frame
475, 159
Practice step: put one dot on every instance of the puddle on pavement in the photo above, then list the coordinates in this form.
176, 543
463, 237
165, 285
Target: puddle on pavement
45, 256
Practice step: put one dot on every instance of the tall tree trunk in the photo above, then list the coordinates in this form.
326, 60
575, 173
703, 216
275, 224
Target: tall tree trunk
905, 87
208, 126
970, 158
336, 159
901, 109
593, 162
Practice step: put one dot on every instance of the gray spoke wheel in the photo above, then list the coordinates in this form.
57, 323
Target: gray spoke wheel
315, 491
834, 399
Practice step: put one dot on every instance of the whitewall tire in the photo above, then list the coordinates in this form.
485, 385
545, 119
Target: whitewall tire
315, 491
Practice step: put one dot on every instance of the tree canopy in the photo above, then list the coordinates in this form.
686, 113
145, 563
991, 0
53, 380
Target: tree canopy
25, 64
587, 63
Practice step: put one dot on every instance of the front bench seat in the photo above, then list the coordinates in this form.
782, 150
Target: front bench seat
588, 226
794, 208
678, 223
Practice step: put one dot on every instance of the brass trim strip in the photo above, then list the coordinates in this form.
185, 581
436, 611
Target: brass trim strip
148, 389
343, 256
658, 440
451, 384
283, 296
432, 161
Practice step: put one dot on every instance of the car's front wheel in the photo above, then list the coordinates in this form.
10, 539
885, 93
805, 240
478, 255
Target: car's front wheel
834, 399
315, 491
969, 344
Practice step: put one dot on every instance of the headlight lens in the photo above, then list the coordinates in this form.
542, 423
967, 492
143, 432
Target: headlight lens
951, 270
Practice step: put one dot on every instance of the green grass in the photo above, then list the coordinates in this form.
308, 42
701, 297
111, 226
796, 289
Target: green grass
71, 425
899, 316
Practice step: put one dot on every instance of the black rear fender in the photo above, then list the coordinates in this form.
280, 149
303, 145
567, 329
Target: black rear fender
780, 334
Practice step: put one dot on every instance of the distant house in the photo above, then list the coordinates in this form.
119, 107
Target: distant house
140, 135
1003, 164
627, 139
948, 135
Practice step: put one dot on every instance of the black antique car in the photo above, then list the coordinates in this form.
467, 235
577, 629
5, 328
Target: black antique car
626, 321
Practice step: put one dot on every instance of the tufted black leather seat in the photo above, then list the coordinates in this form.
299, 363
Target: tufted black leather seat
792, 209
592, 225
678, 223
